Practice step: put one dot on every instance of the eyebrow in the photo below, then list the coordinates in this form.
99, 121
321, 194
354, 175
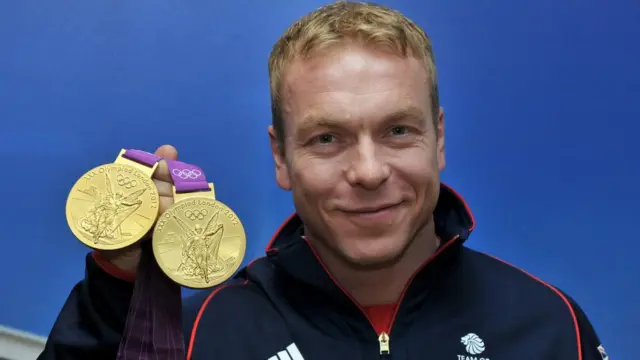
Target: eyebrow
312, 121
409, 112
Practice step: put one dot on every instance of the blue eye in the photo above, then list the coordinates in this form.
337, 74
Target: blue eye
399, 130
325, 139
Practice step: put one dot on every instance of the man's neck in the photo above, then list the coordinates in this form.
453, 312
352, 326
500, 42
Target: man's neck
385, 285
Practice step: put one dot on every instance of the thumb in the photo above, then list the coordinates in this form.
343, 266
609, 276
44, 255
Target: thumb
167, 152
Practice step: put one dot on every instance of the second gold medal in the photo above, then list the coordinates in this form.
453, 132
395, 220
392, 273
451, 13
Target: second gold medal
198, 242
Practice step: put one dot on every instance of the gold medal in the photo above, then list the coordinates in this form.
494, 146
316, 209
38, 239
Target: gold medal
199, 242
114, 205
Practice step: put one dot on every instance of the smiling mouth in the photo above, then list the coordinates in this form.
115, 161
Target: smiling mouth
368, 216
370, 210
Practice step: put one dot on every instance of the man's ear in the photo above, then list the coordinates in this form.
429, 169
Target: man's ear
442, 161
282, 170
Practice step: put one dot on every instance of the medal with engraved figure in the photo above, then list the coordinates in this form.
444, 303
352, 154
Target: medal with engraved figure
114, 205
199, 242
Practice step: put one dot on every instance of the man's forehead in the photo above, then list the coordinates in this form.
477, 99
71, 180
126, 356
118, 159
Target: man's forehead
351, 66
350, 83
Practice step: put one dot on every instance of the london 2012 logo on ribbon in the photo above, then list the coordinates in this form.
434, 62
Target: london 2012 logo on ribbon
187, 173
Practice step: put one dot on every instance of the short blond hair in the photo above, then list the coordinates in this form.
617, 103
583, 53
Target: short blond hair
370, 24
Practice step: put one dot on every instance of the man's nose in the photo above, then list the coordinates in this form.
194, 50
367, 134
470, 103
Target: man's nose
368, 169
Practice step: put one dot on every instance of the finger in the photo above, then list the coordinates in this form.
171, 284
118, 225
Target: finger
164, 188
165, 152
162, 172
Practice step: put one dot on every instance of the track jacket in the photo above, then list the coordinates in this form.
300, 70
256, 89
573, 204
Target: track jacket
460, 305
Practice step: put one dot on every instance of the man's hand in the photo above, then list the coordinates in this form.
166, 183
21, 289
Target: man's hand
128, 258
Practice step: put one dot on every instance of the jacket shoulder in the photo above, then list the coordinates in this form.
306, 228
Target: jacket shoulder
522, 303
512, 285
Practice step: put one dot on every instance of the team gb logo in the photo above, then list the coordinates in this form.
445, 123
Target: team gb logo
473, 344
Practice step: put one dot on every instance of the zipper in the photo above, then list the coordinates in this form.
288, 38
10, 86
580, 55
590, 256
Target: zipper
383, 340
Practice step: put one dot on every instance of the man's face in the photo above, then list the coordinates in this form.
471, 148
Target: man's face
362, 155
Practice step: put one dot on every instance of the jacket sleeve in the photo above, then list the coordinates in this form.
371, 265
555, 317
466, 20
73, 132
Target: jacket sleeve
92, 319
590, 344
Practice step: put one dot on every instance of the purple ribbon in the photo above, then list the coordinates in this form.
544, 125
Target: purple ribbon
187, 177
154, 323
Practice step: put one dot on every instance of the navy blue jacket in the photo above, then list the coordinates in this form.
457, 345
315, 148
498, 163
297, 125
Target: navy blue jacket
461, 305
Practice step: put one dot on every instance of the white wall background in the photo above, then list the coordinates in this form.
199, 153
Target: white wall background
19, 345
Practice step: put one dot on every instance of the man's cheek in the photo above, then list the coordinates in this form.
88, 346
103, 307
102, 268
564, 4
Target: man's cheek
315, 174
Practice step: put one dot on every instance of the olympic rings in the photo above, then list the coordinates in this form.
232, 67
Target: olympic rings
196, 214
125, 181
187, 173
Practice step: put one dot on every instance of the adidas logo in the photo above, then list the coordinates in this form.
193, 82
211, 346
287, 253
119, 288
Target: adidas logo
290, 353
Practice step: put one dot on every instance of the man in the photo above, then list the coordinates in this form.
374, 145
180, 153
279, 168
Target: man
372, 265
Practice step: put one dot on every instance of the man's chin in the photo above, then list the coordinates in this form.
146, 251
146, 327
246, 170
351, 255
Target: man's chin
373, 261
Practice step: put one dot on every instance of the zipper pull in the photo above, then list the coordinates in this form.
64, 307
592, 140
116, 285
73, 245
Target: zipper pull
383, 340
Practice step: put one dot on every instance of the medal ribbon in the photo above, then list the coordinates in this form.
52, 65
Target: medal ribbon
153, 329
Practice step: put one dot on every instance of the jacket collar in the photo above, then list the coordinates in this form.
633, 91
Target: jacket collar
291, 254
